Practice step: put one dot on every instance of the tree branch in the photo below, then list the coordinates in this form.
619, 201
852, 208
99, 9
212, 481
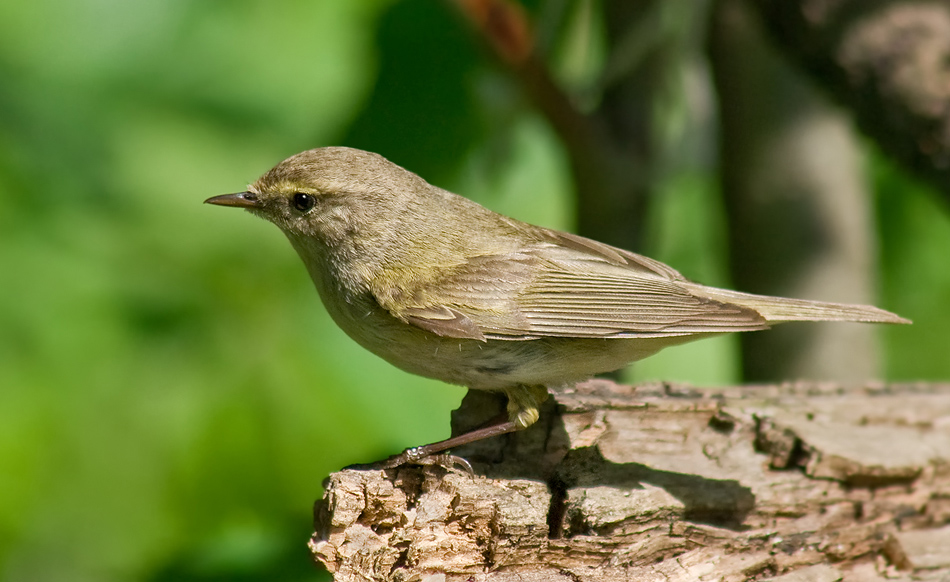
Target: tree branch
611, 149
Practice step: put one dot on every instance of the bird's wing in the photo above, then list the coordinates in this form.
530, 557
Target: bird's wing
565, 286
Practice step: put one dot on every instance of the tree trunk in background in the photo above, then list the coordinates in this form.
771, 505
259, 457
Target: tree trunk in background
888, 62
797, 201
795, 195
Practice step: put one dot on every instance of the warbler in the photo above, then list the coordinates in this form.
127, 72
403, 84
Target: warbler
442, 287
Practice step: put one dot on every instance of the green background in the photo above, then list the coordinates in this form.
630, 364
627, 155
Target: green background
172, 393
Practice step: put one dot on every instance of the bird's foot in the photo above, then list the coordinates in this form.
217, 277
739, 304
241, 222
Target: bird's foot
418, 456
427, 454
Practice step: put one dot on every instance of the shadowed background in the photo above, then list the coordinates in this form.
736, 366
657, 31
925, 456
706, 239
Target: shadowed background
171, 391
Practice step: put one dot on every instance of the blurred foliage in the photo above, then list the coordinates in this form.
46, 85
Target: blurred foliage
171, 392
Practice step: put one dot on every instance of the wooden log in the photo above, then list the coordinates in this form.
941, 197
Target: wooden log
791, 482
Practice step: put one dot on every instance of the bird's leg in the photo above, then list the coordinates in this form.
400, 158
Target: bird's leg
427, 454
523, 404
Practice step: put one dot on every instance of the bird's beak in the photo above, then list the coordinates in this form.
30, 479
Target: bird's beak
240, 199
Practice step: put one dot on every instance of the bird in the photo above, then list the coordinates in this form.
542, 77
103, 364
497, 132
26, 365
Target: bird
444, 288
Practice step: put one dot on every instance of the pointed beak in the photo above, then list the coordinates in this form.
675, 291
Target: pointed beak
240, 200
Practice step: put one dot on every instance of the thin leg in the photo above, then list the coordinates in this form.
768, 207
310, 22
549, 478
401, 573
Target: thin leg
523, 404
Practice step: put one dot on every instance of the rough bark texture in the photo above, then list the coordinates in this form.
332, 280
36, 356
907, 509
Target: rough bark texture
887, 61
814, 482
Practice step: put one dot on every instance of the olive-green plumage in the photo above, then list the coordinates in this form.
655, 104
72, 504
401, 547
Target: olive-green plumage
445, 288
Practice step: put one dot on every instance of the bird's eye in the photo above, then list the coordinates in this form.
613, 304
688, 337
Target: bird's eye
303, 202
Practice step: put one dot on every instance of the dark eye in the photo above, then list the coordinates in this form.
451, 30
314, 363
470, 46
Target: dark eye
303, 202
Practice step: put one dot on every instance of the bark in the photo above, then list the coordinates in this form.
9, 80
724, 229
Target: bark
661, 482
799, 208
886, 61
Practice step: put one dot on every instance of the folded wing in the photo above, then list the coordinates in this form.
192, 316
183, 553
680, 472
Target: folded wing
567, 286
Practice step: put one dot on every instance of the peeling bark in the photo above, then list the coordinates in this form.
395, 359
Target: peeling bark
660, 482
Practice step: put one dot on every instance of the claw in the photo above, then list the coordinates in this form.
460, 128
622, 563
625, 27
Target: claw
449, 463
416, 456
426, 454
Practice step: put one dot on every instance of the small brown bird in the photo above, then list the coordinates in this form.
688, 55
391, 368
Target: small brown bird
442, 287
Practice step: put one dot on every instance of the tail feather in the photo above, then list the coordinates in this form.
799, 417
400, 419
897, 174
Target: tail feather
779, 309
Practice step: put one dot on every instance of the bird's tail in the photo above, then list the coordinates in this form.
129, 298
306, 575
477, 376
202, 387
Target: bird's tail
779, 309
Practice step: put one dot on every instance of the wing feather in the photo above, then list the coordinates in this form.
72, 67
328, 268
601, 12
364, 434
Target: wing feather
566, 286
